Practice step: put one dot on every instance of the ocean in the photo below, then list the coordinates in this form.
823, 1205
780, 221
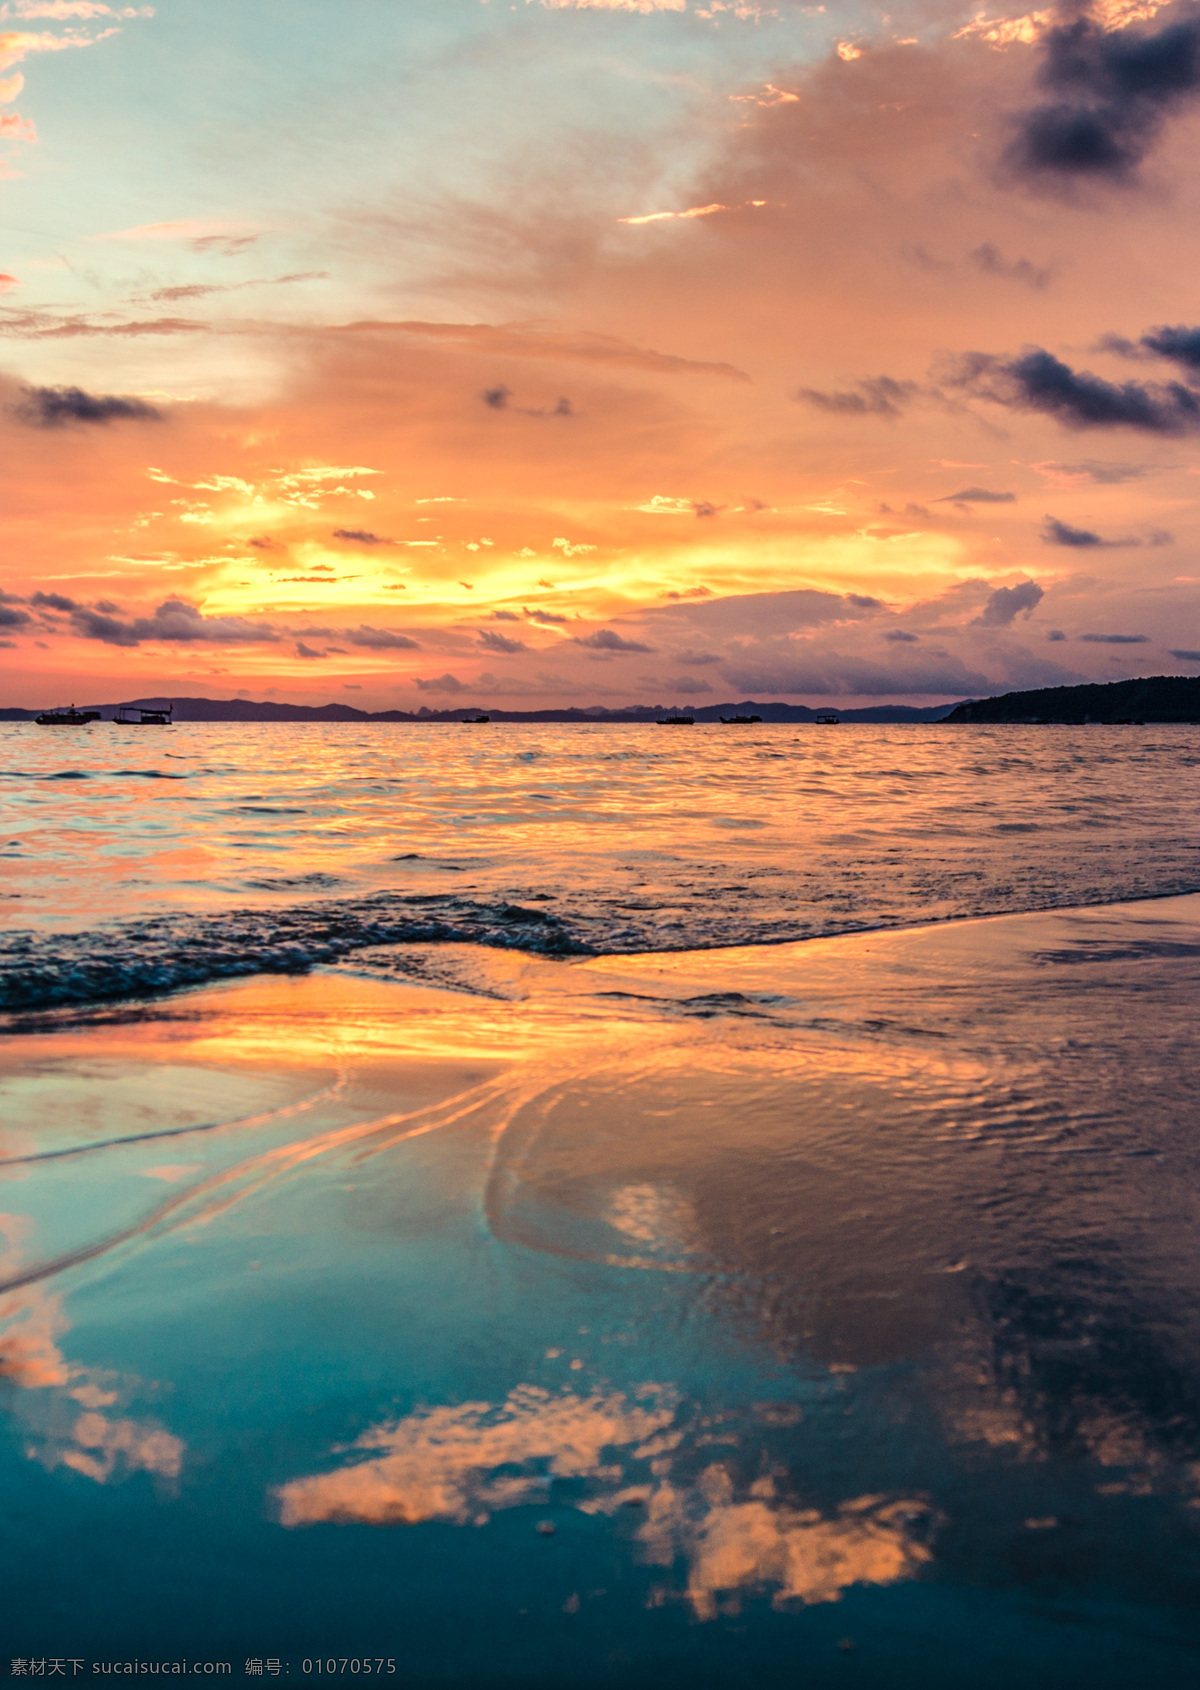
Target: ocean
140, 859
580, 1207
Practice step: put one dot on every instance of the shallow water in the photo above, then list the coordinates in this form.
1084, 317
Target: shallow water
822, 1313
135, 860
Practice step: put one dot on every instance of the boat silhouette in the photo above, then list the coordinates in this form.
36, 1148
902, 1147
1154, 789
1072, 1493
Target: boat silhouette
68, 718
143, 715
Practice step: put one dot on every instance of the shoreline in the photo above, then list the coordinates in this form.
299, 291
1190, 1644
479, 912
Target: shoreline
169, 973
768, 1277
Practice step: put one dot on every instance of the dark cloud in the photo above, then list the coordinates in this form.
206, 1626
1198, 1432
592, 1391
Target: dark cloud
441, 683
687, 593
1037, 381
690, 684
175, 620
1055, 635
604, 639
1006, 603
54, 601
1057, 533
1109, 96
897, 636
989, 259
497, 399
306, 651
506, 616
264, 543
1187, 656
705, 508
379, 639
13, 618
1115, 639
492, 641
877, 396
1180, 344
547, 617
362, 537
697, 659
976, 496
56, 407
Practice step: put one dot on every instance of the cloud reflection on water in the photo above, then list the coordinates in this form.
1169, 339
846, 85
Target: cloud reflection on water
461, 1464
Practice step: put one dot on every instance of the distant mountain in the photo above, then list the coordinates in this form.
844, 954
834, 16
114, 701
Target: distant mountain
249, 710
1157, 698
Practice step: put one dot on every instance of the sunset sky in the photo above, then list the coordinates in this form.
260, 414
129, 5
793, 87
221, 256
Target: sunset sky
439, 352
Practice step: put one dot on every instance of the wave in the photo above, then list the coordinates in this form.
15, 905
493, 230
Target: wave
163, 953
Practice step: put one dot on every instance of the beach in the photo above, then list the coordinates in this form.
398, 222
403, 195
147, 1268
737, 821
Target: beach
817, 1312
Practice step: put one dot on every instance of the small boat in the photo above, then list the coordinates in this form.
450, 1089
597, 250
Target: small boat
829, 721
740, 721
69, 718
676, 722
143, 715
475, 721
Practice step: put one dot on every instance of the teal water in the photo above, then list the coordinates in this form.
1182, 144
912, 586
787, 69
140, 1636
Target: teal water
819, 1314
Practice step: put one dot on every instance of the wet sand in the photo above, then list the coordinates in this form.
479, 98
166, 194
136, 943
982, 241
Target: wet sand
818, 1313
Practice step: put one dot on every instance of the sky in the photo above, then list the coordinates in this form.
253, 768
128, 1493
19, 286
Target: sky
407, 353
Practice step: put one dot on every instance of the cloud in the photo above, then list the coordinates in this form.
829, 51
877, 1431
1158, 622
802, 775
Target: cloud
976, 496
306, 651
690, 684
53, 601
360, 537
1093, 469
877, 396
497, 399
502, 340
989, 259
13, 618
55, 407
1115, 639
1186, 656
546, 617
897, 636
834, 675
1057, 533
604, 639
491, 641
1037, 381
1180, 344
1008, 602
264, 543
440, 683
379, 639
1110, 93
175, 620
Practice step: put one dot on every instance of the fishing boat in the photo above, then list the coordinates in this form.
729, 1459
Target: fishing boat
68, 718
740, 721
829, 721
475, 721
676, 721
143, 715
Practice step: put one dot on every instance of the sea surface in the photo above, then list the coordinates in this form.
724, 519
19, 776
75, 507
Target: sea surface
135, 859
602, 1208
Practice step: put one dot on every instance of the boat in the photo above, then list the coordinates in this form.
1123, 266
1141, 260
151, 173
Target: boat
829, 721
475, 721
676, 722
68, 718
143, 715
740, 721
